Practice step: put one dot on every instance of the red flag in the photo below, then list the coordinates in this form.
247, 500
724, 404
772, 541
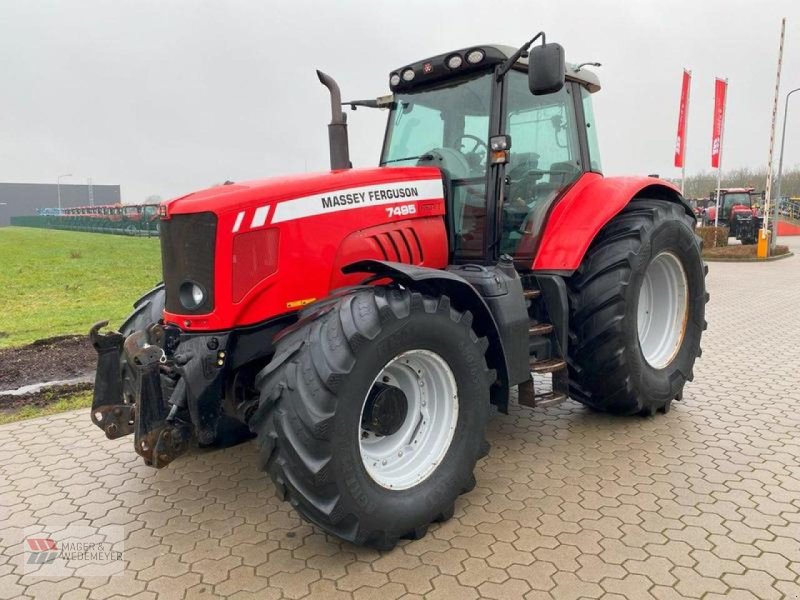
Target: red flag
683, 115
720, 91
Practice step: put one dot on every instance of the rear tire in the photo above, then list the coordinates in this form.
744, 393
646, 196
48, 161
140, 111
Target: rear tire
613, 367
310, 424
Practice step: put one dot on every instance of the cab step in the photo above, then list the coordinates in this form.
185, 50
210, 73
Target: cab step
540, 329
531, 294
549, 399
527, 397
549, 365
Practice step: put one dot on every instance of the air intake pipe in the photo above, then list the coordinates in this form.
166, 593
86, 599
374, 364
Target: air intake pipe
337, 130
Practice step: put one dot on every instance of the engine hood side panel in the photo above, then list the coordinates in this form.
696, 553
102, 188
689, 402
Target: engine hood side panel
321, 220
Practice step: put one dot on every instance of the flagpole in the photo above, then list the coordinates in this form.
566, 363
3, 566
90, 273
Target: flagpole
719, 156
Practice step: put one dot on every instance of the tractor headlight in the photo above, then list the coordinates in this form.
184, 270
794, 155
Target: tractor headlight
192, 295
475, 56
394, 80
454, 61
408, 75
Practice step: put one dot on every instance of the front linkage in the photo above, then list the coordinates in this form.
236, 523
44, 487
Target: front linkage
161, 385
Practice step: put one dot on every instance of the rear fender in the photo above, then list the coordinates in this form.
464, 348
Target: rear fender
463, 297
586, 208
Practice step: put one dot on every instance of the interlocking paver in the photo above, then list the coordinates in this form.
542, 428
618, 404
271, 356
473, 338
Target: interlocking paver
701, 502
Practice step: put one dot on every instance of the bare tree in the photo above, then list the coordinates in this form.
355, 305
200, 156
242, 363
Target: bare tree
701, 185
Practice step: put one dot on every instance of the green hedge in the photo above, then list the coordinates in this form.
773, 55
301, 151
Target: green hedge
713, 237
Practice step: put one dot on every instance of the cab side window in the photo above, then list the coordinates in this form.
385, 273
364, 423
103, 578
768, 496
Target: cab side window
591, 131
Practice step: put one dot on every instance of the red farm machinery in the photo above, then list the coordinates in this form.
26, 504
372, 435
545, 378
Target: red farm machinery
361, 324
737, 211
124, 219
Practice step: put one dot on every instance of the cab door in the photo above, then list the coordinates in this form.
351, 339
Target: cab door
548, 154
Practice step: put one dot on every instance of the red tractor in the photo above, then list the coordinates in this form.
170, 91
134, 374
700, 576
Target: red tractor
737, 212
361, 323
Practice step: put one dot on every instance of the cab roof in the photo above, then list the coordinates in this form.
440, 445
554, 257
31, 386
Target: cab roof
436, 67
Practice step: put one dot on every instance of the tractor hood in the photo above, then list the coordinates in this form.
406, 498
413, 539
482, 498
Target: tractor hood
254, 250
738, 209
246, 195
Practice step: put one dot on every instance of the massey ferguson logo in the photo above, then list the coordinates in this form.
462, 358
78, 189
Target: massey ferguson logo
369, 196
364, 196
43, 551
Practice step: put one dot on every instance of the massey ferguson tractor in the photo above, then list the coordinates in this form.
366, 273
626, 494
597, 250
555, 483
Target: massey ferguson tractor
736, 212
362, 324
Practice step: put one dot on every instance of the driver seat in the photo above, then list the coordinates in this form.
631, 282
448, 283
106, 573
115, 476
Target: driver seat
560, 175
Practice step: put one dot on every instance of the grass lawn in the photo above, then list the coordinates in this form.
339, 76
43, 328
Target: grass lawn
61, 282
55, 403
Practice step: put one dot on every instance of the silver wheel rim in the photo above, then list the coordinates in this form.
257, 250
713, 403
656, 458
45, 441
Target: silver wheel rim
411, 454
662, 310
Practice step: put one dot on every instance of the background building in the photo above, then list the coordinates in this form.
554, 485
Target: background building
22, 199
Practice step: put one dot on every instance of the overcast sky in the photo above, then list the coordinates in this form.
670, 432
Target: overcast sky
168, 96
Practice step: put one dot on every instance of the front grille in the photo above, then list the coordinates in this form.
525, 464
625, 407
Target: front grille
187, 254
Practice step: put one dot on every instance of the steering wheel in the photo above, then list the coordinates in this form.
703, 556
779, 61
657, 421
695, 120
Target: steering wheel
475, 159
524, 171
522, 181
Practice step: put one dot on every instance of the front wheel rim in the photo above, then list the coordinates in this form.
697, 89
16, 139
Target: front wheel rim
411, 453
663, 309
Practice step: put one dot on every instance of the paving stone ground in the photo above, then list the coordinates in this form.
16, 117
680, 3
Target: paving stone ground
703, 502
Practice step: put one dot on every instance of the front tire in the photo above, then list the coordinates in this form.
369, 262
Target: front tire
324, 453
637, 311
147, 310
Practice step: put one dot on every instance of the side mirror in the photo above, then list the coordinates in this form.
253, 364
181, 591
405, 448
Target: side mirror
546, 69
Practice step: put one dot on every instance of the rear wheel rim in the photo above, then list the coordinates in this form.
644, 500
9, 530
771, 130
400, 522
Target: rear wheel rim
662, 309
410, 454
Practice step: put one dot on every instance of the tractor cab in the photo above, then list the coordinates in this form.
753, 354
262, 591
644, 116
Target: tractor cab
505, 153
736, 201
732, 202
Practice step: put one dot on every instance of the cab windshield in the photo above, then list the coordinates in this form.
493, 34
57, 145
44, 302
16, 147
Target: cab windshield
731, 200
446, 126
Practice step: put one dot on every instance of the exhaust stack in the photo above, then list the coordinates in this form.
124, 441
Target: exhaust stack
337, 130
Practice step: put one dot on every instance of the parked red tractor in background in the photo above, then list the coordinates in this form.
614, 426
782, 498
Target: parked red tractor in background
737, 212
362, 322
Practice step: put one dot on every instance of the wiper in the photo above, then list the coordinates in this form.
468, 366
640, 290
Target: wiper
382, 102
420, 157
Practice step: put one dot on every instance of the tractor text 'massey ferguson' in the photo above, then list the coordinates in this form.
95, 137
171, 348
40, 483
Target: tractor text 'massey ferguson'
378, 195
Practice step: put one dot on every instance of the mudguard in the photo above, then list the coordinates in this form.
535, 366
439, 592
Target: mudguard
463, 296
577, 218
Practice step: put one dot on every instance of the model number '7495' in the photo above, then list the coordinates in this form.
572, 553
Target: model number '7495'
400, 211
